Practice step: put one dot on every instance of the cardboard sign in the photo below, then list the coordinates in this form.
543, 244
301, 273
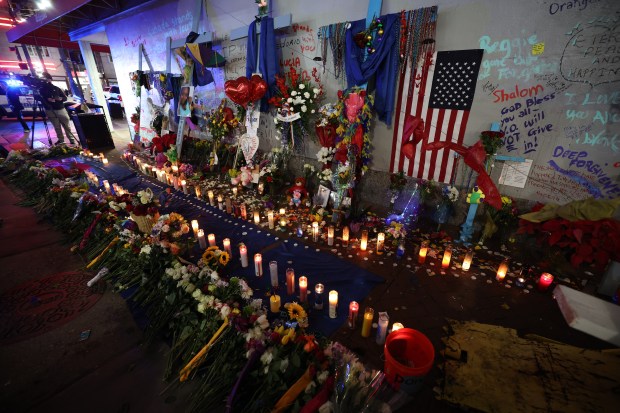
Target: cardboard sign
249, 146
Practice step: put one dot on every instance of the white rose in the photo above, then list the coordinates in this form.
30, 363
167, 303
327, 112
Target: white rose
307, 95
312, 111
289, 100
201, 308
294, 93
302, 86
304, 108
315, 91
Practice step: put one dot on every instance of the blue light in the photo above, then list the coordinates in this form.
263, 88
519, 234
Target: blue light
13, 82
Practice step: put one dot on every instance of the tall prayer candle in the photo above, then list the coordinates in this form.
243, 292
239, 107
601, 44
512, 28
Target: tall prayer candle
303, 289
380, 242
354, 308
258, 265
270, 219
220, 202
106, 185
212, 200
382, 326
315, 231
364, 240
544, 281
184, 185
333, 303
226, 243
369, 314
234, 191
469, 255
330, 235
345, 236
195, 228
198, 191
228, 206
447, 256
318, 297
256, 217
244, 212
211, 238
501, 271
243, 251
397, 326
290, 281
423, 252
274, 303
201, 239
153, 169
273, 273
283, 222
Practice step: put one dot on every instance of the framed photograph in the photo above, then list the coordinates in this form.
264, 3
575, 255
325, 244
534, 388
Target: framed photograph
322, 196
184, 109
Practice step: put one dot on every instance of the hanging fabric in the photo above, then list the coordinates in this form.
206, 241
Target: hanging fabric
268, 59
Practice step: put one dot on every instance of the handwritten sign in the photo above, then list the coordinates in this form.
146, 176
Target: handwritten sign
515, 173
249, 146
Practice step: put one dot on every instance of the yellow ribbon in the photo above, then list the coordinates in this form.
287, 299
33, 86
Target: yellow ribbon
293, 392
195, 362
98, 257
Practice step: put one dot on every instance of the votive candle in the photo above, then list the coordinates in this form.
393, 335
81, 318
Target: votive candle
195, 227
354, 308
333, 303
380, 243
364, 240
423, 252
502, 270
234, 191
274, 303
447, 256
283, 222
303, 289
226, 243
212, 200
270, 219
290, 281
345, 236
318, 297
256, 217
544, 281
243, 252
282, 211
397, 326
201, 239
369, 314
244, 212
198, 191
105, 161
175, 169
258, 265
315, 231
273, 273
330, 235
469, 255
211, 238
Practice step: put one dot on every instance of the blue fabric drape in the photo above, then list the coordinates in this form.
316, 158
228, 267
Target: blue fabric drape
268, 59
384, 63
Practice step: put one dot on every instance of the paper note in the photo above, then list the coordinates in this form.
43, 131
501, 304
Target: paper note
538, 48
515, 173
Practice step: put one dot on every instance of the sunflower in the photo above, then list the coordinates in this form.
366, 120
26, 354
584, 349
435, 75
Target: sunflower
213, 248
295, 311
208, 256
224, 258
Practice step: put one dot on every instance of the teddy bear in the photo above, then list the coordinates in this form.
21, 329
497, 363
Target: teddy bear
297, 192
244, 176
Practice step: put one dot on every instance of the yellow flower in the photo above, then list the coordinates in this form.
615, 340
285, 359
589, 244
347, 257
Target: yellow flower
295, 311
208, 256
224, 258
213, 248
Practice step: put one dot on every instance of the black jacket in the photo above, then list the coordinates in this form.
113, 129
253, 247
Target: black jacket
12, 96
50, 91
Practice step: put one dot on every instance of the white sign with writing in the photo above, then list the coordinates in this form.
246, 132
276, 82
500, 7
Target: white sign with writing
515, 173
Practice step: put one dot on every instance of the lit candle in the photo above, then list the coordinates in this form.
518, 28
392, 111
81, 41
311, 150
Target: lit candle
195, 228
101, 155
175, 169
469, 255
345, 236
315, 231
211, 238
234, 191
153, 169
228, 206
303, 289
380, 242
333, 303
106, 185
261, 188
282, 211
283, 222
330, 235
318, 298
290, 281
184, 185
226, 242
364, 240
201, 239
105, 161
544, 281
212, 200
243, 251
382, 326
244, 212
273, 273
258, 265
270, 219
369, 314
274, 303
397, 326
447, 256
501, 271
198, 191
423, 252
256, 217
520, 282
220, 202
175, 182
354, 308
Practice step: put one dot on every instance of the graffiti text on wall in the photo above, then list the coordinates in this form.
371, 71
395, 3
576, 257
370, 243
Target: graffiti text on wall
580, 5
524, 123
591, 116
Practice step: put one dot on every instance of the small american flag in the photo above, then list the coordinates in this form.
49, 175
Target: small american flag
442, 96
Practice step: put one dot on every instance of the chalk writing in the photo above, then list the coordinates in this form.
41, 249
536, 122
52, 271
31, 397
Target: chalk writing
553, 186
592, 53
553, 81
502, 95
579, 5
574, 132
599, 139
596, 134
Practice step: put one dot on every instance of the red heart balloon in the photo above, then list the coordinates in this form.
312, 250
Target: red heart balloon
238, 90
258, 89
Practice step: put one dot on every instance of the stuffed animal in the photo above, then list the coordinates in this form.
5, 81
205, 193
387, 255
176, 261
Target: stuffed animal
297, 192
244, 176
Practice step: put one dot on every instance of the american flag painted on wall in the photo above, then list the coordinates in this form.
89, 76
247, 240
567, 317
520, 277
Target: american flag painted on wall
442, 96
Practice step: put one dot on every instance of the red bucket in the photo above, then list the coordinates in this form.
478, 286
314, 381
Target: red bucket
409, 356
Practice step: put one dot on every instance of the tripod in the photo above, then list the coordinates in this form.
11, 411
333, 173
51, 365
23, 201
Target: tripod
41, 109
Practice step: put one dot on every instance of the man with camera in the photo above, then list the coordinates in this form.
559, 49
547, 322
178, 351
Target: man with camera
52, 98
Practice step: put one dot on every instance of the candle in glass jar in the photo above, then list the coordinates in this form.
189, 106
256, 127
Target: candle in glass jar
243, 251
380, 242
330, 235
274, 303
244, 212
318, 296
282, 211
212, 200
258, 265
369, 314
501, 271
184, 185
423, 252
382, 326
290, 281
195, 228
469, 255
228, 206
333, 303
447, 256
397, 326
283, 222
234, 191
303, 289
226, 243
198, 191
273, 273
261, 188
153, 169
270, 219
364, 240
106, 185
256, 217
105, 161
175, 169
345, 236
220, 202
354, 308
201, 239
544, 281
211, 238
315, 231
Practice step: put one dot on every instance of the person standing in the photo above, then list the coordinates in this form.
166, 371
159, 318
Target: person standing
12, 96
53, 98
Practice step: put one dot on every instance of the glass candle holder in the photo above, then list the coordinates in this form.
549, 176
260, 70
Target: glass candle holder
258, 265
369, 314
303, 289
273, 273
469, 256
545, 281
382, 326
256, 217
345, 236
211, 238
195, 228
502, 270
333, 303
290, 281
318, 296
226, 244
397, 326
315, 231
364, 240
212, 198
354, 308
423, 253
330, 235
380, 243
243, 252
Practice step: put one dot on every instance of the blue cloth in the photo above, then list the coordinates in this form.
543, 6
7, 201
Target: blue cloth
268, 59
383, 63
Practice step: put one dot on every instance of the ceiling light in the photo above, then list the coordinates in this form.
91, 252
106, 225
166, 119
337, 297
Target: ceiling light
44, 4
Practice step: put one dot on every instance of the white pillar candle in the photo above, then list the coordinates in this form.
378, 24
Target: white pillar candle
330, 235
211, 198
226, 243
380, 242
273, 273
258, 265
220, 202
303, 289
106, 185
211, 238
256, 217
333, 303
243, 251
195, 228
270, 219
290, 281
201, 239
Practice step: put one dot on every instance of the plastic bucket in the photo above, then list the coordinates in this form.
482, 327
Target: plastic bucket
409, 356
